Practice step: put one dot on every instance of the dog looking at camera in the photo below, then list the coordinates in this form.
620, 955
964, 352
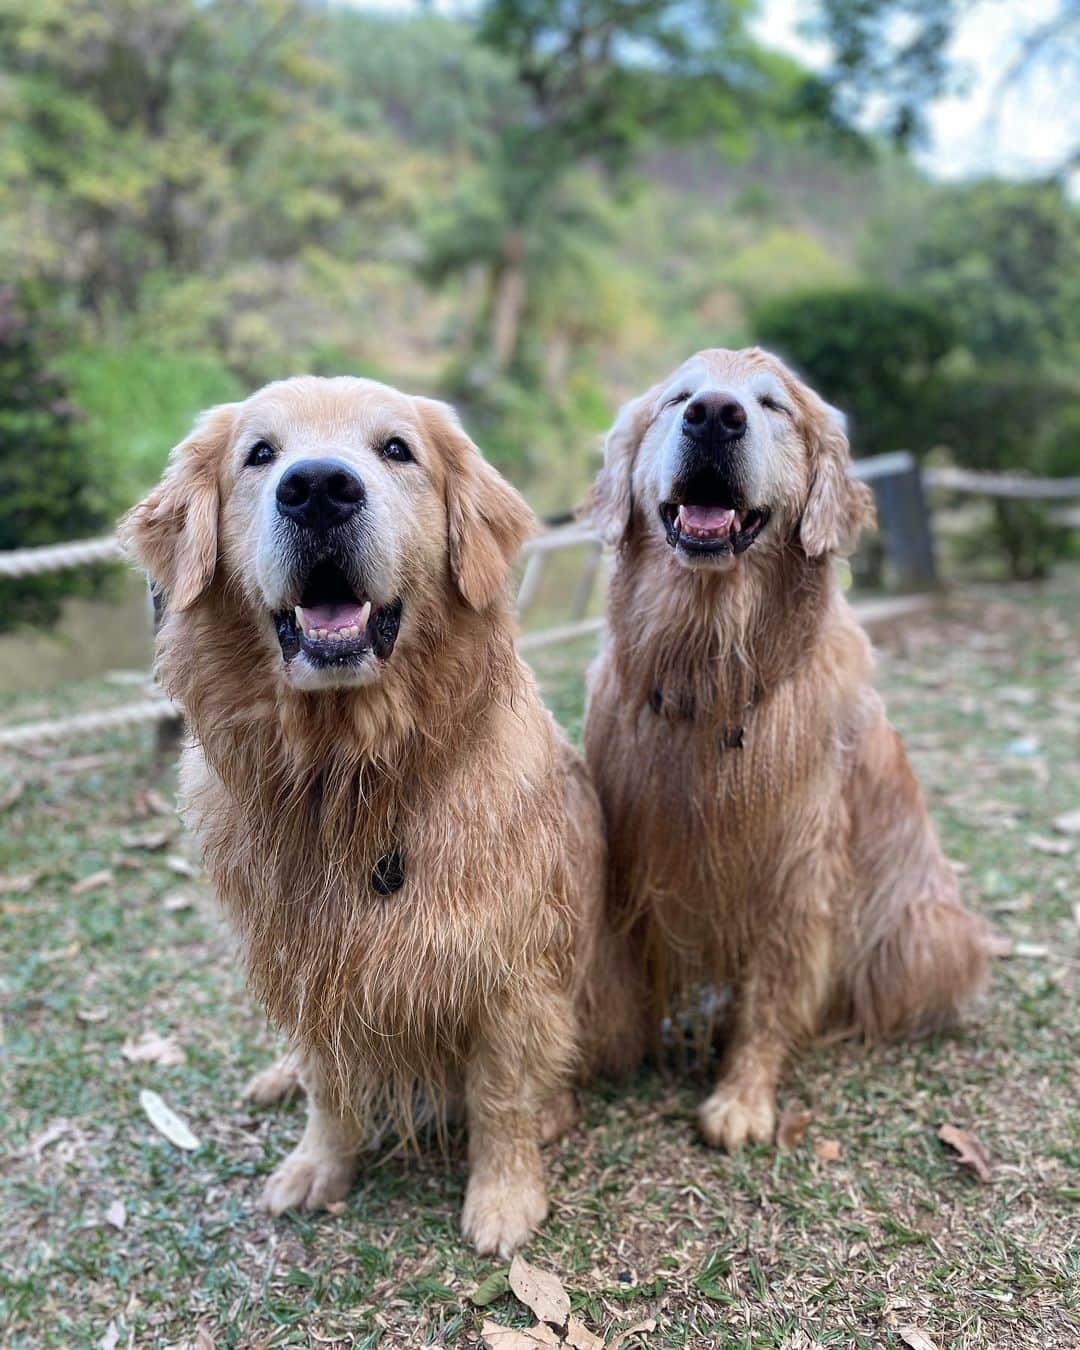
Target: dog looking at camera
765, 830
410, 852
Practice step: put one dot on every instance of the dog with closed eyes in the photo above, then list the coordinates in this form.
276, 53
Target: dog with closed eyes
765, 831
408, 849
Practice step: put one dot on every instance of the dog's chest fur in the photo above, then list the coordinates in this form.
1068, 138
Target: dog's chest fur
719, 777
379, 928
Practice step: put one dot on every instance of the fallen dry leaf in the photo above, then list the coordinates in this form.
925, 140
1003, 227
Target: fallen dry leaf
176, 901
180, 865
1059, 847
165, 1120
150, 840
151, 1048
17, 883
1034, 951
111, 1339
827, 1150
116, 1214
496, 1337
541, 1292
579, 1337
972, 1154
1069, 823
918, 1340
203, 1339
55, 1130
793, 1125
638, 1329
11, 794
93, 882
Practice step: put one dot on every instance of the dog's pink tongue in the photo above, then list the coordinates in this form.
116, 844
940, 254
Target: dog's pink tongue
705, 517
335, 617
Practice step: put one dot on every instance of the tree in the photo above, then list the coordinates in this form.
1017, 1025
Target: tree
596, 79
877, 355
892, 58
1002, 259
48, 492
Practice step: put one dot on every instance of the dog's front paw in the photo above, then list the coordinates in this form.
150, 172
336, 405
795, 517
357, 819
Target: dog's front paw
736, 1113
308, 1180
500, 1216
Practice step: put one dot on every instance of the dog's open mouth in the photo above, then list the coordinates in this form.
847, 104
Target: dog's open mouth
333, 625
713, 530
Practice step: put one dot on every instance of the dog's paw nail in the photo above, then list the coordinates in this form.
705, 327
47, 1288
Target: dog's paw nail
500, 1218
730, 1119
307, 1181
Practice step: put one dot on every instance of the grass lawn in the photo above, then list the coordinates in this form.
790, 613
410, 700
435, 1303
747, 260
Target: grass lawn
111, 1235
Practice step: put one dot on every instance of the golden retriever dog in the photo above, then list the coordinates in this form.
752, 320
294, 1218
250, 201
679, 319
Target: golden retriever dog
409, 851
765, 831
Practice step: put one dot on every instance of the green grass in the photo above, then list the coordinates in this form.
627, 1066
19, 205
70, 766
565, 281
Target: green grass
766, 1249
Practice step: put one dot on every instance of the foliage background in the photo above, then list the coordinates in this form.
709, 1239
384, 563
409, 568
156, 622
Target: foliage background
530, 208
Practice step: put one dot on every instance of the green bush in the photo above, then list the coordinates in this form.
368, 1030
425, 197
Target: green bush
1008, 418
876, 355
137, 404
50, 488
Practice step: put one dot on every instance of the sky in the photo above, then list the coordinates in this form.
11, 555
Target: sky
1027, 132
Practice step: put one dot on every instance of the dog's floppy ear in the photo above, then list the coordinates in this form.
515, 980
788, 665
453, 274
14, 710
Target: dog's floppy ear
610, 503
837, 505
487, 519
173, 531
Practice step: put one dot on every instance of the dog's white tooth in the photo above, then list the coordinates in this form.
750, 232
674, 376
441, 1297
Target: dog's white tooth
301, 618
365, 614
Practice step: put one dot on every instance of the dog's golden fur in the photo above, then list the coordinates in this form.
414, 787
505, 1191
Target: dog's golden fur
478, 975
765, 829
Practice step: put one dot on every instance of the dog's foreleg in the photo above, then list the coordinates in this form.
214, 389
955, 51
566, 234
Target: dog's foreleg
779, 998
523, 1059
320, 1170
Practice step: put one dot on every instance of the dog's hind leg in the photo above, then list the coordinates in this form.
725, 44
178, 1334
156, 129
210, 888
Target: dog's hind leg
277, 1083
917, 955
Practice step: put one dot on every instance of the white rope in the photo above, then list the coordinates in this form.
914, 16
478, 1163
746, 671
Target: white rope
29, 562
84, 724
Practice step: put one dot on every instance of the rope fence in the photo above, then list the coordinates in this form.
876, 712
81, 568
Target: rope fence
567, 533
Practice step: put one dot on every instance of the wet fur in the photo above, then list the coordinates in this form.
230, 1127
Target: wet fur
487, 974
765, 828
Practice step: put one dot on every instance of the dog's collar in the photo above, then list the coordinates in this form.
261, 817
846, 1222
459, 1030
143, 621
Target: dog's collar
683, 708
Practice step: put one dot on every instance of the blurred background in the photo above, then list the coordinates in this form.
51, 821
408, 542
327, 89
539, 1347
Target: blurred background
532, 208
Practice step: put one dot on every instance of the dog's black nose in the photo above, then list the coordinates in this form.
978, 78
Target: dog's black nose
718, 417
319, 493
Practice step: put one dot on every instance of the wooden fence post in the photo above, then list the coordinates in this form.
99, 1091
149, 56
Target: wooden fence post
903, 517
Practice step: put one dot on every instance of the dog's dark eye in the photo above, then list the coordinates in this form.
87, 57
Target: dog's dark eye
768, 402
677, 399
396, 449
262, 452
